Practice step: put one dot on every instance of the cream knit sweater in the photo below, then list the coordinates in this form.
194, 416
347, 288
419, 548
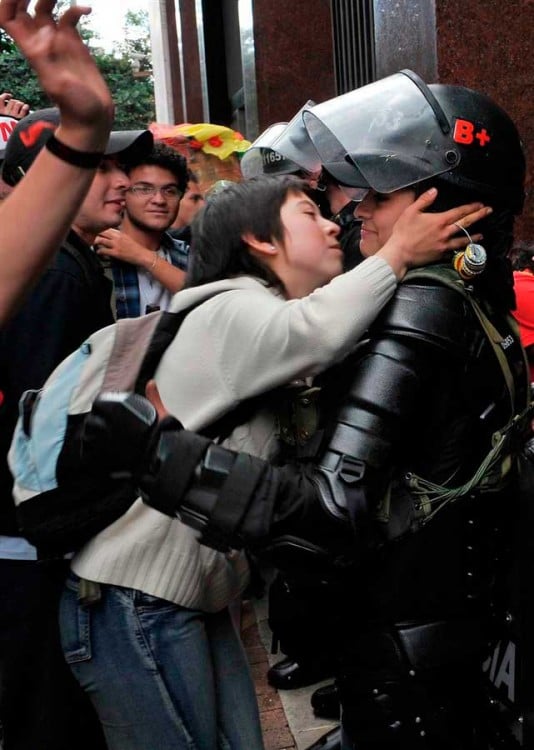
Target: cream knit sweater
239, 343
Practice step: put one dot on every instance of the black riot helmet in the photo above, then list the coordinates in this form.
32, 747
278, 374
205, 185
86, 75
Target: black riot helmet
398, 132
284, 148
262, 159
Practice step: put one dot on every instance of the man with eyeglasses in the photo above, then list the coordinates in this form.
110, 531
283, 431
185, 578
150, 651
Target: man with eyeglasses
148, 265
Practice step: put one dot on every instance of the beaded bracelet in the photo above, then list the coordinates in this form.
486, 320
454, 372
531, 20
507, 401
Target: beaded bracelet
151, 268
83, 159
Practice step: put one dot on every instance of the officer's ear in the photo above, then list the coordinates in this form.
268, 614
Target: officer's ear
264, 250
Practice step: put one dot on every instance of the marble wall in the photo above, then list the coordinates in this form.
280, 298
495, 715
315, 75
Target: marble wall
294, 59
191, 62
484, 44
488, 45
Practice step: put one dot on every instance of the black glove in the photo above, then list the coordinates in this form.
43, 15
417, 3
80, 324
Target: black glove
119, 434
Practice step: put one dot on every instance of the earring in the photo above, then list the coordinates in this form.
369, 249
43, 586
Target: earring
471, 261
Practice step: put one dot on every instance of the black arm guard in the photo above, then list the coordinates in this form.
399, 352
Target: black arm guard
413, 391
236, 500
208, 487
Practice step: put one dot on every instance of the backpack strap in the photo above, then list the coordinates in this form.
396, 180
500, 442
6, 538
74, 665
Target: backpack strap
167, 326
132, 339
163, 333
497, 341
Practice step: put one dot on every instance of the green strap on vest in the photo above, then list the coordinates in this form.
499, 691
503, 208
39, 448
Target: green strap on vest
447, 276
497, 463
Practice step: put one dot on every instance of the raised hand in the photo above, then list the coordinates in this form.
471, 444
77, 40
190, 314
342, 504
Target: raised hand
419, 237
10, 107
116, 244
438, 230
70, 77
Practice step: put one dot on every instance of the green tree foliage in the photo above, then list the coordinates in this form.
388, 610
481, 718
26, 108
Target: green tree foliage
127, 71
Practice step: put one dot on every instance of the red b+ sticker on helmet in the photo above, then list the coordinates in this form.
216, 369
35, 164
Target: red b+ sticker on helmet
466, 133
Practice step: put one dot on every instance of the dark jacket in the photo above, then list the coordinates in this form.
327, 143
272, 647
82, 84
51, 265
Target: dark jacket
70, 301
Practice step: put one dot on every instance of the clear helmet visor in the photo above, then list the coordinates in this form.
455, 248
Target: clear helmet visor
284, 148
383, 136
294, 143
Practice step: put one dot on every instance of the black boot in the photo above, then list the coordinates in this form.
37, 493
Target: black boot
325, 702
289, 674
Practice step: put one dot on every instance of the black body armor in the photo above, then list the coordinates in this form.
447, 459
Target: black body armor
412, 416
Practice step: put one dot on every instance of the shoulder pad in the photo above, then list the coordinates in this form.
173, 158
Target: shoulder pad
425, 309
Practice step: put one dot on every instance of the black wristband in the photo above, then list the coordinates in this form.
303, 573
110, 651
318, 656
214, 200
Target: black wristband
83, 159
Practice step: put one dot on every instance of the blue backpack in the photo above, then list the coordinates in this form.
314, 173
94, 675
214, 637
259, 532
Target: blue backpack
62, 501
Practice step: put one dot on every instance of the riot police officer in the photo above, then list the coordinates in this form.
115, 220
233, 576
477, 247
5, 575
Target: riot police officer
402, 506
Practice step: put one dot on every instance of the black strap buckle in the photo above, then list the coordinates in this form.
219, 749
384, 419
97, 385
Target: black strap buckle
352, 470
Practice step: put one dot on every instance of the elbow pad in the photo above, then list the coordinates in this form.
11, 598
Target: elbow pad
207, 487
353, 473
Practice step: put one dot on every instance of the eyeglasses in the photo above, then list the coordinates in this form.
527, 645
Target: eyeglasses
149, 191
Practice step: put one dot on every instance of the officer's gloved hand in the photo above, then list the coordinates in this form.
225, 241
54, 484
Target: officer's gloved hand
123, 438
119, 434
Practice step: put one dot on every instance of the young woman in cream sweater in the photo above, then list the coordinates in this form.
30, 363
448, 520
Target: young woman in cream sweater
156, 651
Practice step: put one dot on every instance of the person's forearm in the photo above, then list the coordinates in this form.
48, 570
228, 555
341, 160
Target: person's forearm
37, 215
419, 238
170, 277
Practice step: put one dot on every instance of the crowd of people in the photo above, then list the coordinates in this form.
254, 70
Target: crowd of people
329, 407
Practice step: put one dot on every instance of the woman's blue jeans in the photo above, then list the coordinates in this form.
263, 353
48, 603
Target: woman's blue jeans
160, 676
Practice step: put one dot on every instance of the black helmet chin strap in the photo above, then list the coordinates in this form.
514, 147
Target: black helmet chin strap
431, 99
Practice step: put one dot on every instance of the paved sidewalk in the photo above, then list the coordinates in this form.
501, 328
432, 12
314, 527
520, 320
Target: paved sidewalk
276, 732
286, 716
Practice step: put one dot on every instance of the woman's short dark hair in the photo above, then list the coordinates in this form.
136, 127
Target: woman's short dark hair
191, 176
218, 250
